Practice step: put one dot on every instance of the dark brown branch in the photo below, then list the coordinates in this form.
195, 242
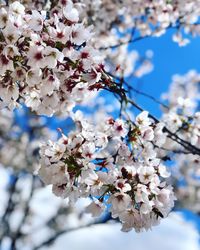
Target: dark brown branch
139, 38
188, 146
113, 88
132, 40
131, 88
52, 239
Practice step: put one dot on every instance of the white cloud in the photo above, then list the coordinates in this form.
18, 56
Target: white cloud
173, 234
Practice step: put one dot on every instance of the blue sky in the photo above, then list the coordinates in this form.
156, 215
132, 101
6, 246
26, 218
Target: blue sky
169, 59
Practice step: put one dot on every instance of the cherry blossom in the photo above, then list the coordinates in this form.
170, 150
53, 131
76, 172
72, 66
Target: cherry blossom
76, 164
58, 55
50, 56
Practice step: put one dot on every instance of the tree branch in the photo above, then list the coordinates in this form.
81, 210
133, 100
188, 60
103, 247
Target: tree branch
5, 227
26, 212
69, 230
113, 88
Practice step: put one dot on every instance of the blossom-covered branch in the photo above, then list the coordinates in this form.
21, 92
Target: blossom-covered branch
58, 55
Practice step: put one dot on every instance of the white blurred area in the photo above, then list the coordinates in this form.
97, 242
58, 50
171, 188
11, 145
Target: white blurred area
174, 233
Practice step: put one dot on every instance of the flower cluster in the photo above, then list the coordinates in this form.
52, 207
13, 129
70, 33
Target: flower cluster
114, 163
22, 194
46, 59
183, 118
149, 18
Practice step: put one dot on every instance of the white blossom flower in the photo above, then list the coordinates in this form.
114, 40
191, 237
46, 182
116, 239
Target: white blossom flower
95, 208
